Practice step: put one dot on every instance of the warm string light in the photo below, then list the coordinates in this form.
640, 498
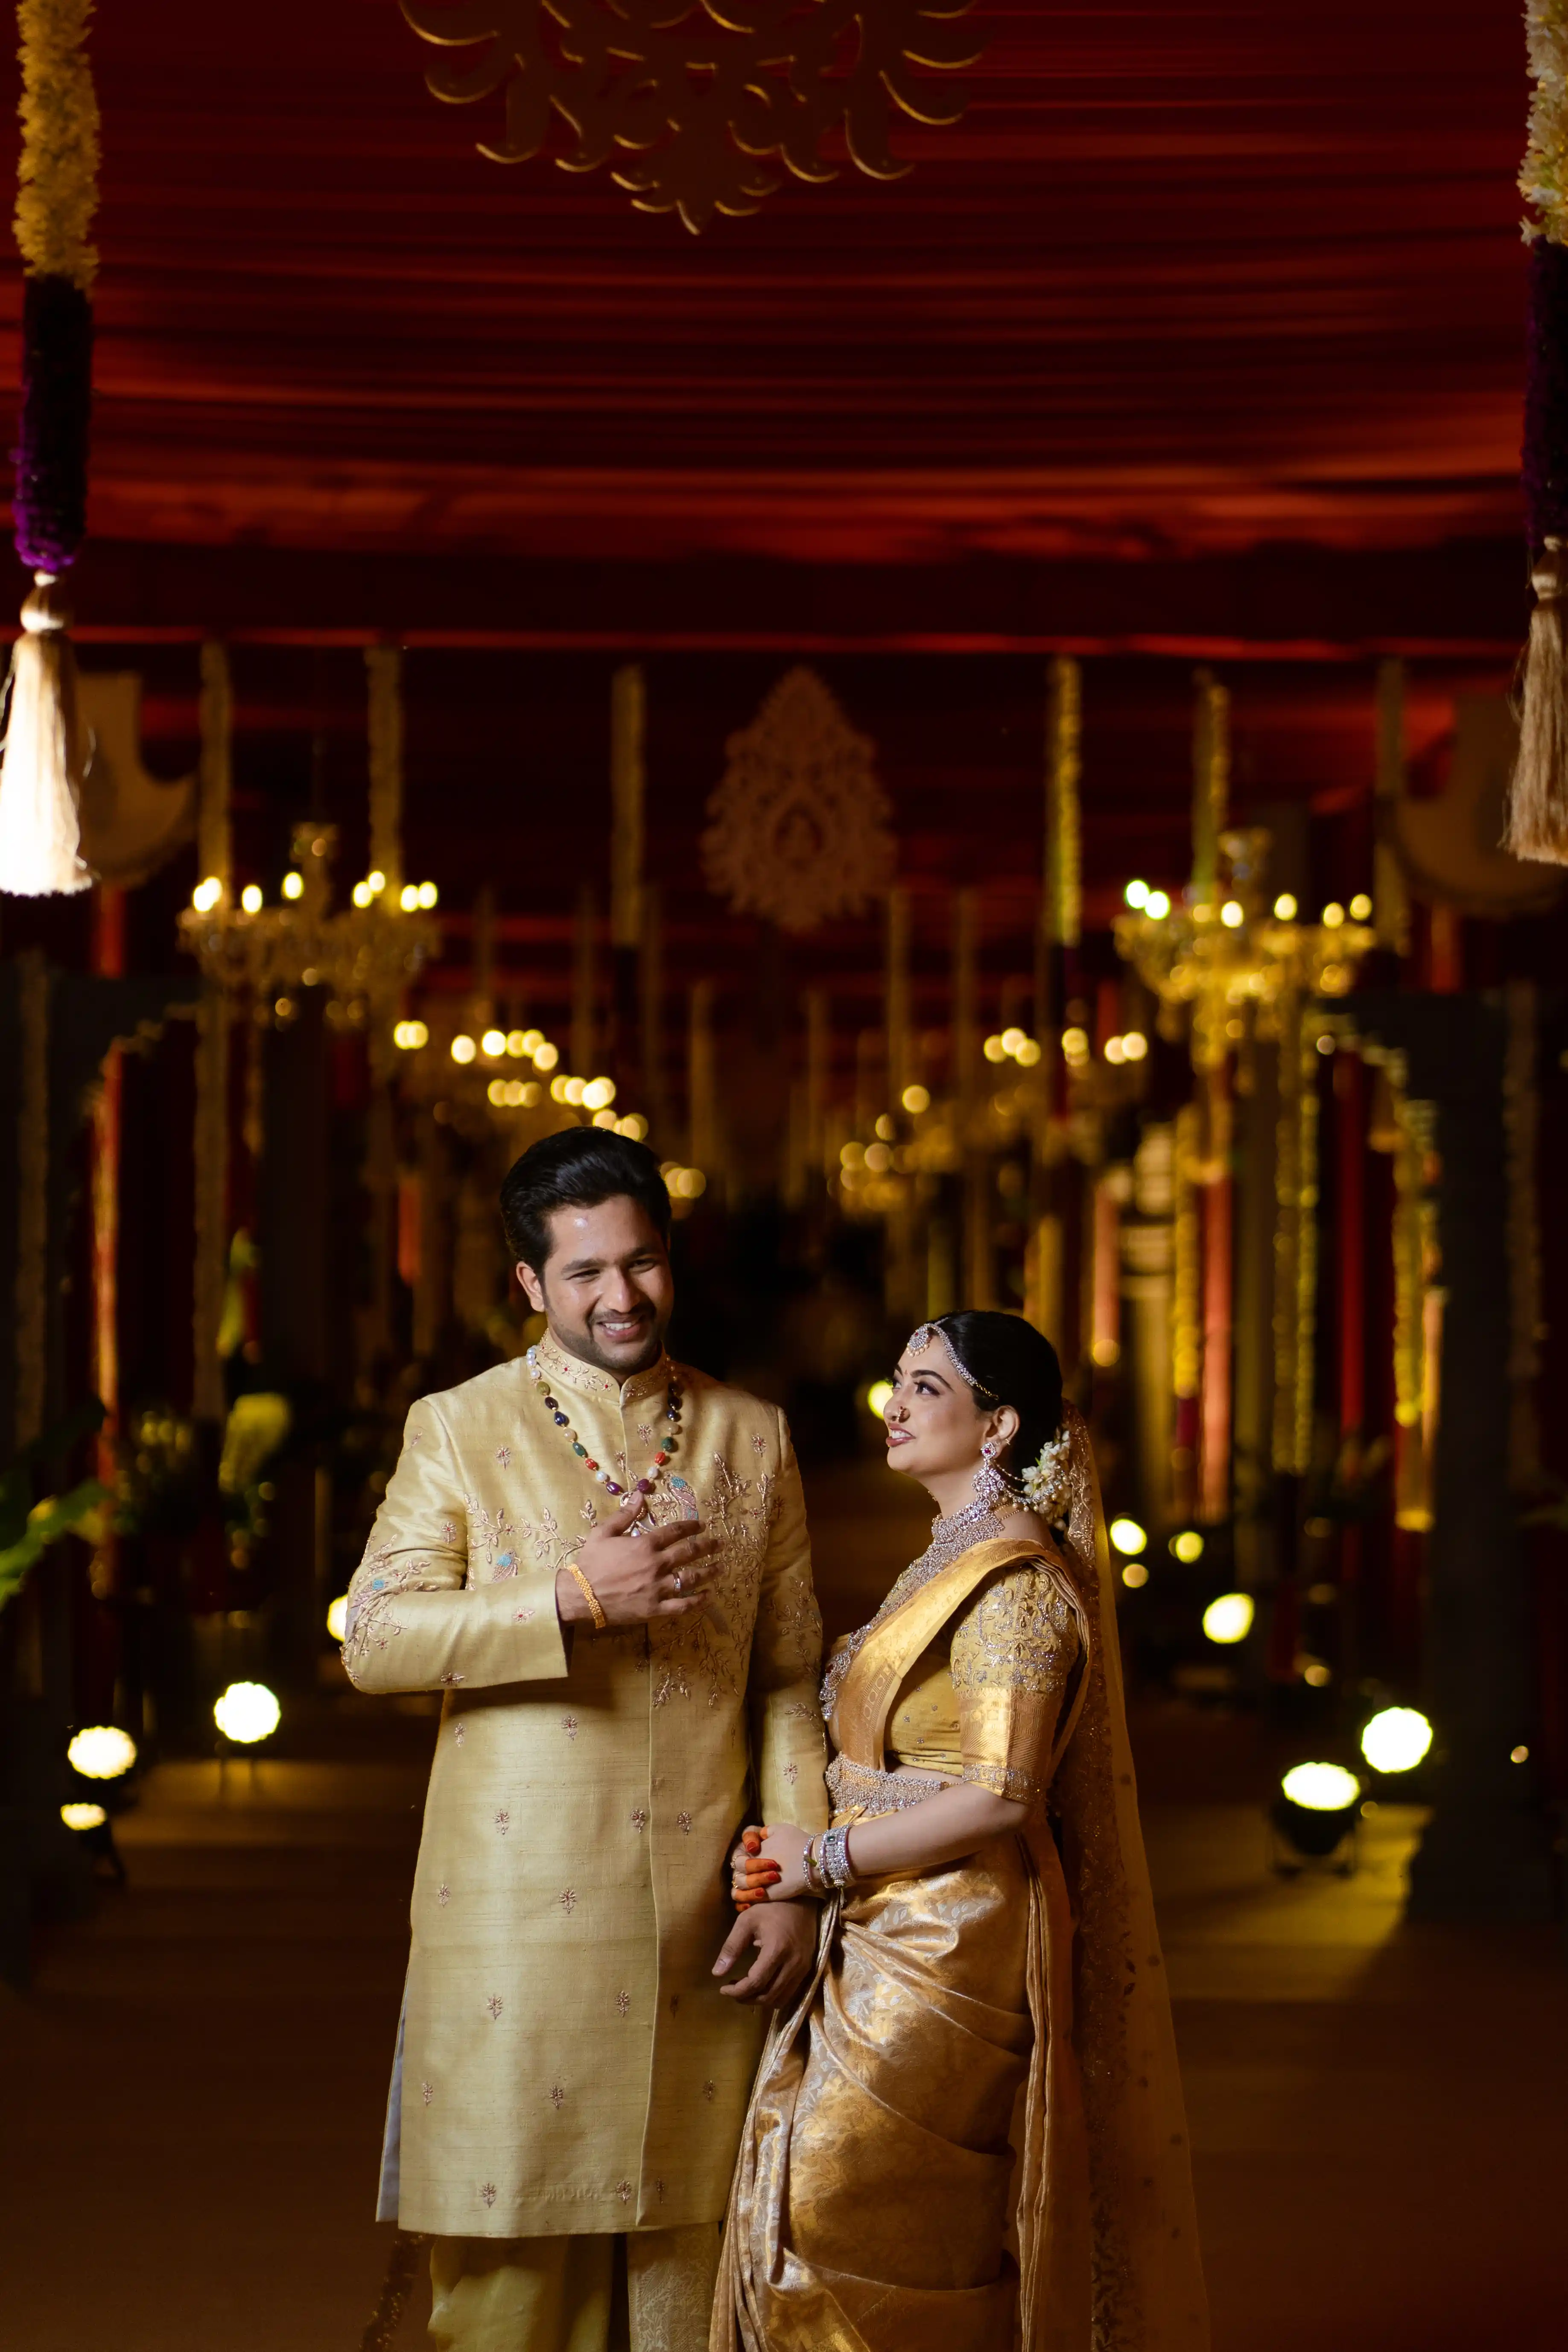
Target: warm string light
1013, 1045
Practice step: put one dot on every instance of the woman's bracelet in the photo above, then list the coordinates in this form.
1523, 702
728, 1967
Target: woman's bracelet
835, 1858
811, 1867
590, 1596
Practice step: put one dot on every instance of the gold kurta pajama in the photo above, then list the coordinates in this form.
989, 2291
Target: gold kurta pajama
567, 2064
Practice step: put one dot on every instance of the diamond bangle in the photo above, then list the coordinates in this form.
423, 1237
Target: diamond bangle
836, 1858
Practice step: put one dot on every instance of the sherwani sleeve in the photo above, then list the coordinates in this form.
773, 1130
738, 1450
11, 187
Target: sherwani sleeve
1013, 1656
789, 1746
414, 1622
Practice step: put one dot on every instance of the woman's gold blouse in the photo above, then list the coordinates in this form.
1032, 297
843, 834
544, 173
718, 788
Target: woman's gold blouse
982, 1703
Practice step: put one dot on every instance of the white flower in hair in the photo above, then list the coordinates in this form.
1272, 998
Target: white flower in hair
1044, 1482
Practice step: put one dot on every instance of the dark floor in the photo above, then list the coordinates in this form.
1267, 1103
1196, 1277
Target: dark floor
194, 2084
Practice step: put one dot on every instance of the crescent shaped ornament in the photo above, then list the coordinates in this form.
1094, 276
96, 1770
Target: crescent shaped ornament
701, 111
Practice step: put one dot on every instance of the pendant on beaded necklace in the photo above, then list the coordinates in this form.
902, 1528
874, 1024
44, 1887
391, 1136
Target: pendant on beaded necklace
660, 1468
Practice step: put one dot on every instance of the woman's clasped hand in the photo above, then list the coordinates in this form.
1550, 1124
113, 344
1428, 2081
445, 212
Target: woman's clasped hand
769, 1864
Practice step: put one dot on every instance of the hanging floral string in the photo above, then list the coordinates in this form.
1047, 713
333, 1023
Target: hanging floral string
1537, 806
41, 771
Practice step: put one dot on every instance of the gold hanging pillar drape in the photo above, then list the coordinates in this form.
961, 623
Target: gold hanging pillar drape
633, 947
900, 1041
1062, 895
702, 1084
975, 1255
1390, 895
383, 666
385, 735
211, 1130
107, 959
585, 984
32, 1299
1296, 1240
650, 995
628, 724
818, 1071
1211, 778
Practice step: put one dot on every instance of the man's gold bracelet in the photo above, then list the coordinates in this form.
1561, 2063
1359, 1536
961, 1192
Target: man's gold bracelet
590, 1596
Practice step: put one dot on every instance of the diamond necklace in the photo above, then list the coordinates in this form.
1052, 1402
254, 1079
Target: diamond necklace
949, 1539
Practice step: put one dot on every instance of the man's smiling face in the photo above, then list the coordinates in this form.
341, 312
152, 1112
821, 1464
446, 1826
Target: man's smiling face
606, 1287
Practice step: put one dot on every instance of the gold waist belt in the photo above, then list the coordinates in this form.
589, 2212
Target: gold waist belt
859, 1787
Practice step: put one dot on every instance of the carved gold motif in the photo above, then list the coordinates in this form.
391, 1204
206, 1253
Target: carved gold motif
696, 106
799, 828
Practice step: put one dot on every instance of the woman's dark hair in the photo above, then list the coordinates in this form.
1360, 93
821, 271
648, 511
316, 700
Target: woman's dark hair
576, 1170
1011, 1363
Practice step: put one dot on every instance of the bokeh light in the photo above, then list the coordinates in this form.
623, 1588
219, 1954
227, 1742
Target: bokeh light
1229, 1619
1321, 1787
101, 1752
1395, 1739
248, 1712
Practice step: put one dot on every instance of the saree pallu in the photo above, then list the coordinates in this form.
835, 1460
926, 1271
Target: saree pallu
872, 2201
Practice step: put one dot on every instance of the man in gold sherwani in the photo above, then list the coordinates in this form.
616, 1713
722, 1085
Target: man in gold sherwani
601, 1558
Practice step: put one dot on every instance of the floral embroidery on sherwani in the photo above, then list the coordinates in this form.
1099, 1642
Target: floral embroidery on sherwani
621, 1763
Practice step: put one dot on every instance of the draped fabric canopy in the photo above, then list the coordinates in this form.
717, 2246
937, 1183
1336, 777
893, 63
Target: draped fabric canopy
1199, 337
1184, 280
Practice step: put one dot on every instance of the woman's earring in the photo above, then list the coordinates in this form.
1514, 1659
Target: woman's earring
990, 1487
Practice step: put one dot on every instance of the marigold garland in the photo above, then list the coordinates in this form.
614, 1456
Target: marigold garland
1538, 801
56, 193
41, 772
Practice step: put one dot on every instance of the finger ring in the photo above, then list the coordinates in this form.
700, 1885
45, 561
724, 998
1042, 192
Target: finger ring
678, 1586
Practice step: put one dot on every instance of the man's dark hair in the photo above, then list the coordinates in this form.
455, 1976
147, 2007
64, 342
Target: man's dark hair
576, 1170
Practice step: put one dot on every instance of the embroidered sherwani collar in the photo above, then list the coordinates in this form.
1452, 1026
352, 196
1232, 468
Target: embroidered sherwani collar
570, 1372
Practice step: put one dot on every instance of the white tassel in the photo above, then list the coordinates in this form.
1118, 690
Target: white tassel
41, 766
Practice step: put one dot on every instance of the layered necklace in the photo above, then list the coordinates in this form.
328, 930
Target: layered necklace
659, 1469
948, 1537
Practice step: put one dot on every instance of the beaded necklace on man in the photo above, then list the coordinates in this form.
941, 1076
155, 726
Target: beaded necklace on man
659, 1469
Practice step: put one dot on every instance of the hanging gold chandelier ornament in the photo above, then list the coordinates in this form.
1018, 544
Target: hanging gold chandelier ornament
697, 108
363, 955
1215, 958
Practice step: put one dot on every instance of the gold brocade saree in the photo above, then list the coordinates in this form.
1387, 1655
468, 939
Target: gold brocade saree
968, 2136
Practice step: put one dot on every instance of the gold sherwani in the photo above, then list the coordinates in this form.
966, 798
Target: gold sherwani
567, 2063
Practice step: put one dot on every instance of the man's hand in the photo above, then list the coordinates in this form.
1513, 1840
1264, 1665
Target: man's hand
783, 1937
637, 1571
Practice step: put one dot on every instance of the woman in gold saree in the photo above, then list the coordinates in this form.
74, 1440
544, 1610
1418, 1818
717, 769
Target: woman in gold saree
968, 2136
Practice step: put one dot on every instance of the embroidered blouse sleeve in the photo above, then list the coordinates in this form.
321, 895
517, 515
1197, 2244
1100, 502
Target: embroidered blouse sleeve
1014, 1652
413, 1620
